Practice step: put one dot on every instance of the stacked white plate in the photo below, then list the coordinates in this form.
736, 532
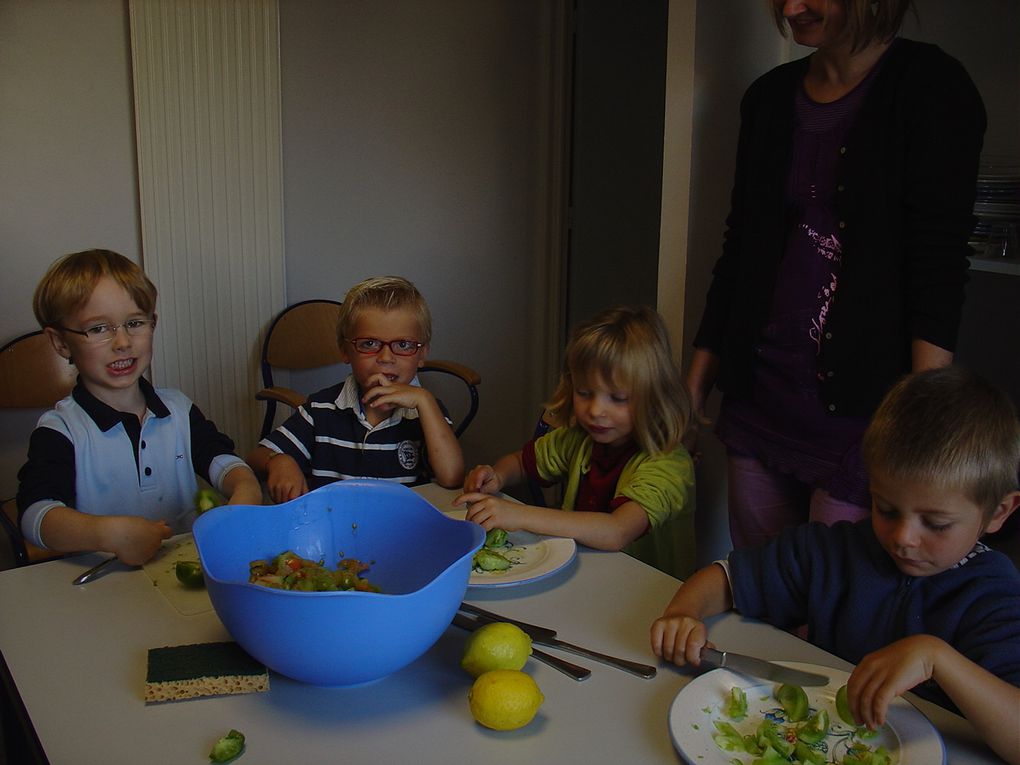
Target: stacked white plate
997, 207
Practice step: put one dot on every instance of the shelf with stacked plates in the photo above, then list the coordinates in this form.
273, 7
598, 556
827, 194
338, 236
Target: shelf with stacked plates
996, 236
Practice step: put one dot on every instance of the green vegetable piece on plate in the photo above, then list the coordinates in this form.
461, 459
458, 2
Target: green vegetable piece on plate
860, 754
207, 499
490, 560
771, 736
735, 707
815, 729
794, 702
228, 747
808, 756
189, 573
843, 710
495, 538
843, 707
728, 738
771, 757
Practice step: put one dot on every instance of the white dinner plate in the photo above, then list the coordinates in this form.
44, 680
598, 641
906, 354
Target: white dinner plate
534, 557
908, 734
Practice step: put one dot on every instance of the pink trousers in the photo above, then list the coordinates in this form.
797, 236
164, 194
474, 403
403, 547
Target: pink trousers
763, 502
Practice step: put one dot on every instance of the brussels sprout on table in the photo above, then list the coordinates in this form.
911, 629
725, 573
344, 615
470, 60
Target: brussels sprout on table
228, 747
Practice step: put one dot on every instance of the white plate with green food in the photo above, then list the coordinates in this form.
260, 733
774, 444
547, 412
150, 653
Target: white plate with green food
700, 715
529, 558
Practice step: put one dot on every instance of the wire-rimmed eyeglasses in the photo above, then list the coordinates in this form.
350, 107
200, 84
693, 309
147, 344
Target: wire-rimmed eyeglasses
370, 346
104, 333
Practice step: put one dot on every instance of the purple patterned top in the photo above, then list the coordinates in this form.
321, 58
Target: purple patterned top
785, 424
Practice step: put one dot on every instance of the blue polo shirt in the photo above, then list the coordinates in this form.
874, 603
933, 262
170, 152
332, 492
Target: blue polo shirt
331, 439
86, 455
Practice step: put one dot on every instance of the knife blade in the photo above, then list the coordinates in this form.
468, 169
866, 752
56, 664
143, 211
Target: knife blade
547, 637
575, 671
95, 571
749, 665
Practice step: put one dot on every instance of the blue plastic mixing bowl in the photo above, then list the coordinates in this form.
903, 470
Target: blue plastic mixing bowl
419, 557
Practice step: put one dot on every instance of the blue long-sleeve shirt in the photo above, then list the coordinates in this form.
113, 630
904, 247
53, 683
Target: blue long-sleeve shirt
841, 583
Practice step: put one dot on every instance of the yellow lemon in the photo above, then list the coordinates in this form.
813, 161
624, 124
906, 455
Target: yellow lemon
504, 699
499, 645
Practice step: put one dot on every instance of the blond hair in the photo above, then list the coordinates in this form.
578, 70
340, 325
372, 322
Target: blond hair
69, 283
387, 293
950, 428
628, 347
867, 21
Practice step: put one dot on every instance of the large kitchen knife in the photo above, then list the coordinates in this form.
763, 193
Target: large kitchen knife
749, 665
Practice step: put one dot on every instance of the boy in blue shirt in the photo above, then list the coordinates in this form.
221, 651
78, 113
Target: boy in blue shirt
112, 467
910, 595
379, 422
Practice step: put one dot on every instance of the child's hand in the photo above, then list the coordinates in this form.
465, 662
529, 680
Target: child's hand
132, 539
382, 394
493, 512
482, 478
679, 638
889, 672
246, 494
284, 479
241, 487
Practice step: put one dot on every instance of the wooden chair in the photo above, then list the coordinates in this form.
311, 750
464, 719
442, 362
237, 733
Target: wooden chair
303, 336
32, 376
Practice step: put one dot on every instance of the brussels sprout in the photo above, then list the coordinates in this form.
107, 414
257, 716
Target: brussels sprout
490, 560
228, 747
207, 499
189, 573
495, 538
815, 729
735, 707
794, 702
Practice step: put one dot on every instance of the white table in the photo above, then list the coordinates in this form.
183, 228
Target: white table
78, 658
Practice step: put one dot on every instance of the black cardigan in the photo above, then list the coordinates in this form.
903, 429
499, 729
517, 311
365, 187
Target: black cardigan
905, 198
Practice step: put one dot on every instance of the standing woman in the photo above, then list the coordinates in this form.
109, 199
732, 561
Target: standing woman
844, 258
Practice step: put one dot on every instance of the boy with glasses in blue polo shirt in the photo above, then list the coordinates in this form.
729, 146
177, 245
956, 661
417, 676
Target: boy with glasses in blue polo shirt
112, 467
379, 422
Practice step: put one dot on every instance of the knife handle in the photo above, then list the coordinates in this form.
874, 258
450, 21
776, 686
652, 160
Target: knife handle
712, 656
641, 670
567, 668
478, 611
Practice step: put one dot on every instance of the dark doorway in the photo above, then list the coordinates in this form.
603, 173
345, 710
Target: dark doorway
619, 79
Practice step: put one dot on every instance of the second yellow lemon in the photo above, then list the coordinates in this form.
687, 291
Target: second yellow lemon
504, 699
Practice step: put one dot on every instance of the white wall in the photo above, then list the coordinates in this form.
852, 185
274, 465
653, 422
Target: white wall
411, 146
67, 162
732, 48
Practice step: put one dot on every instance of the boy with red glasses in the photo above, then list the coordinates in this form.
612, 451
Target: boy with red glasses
379, 422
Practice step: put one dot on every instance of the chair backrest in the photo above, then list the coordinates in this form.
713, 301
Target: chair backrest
32, 374
303, 336
538, 496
